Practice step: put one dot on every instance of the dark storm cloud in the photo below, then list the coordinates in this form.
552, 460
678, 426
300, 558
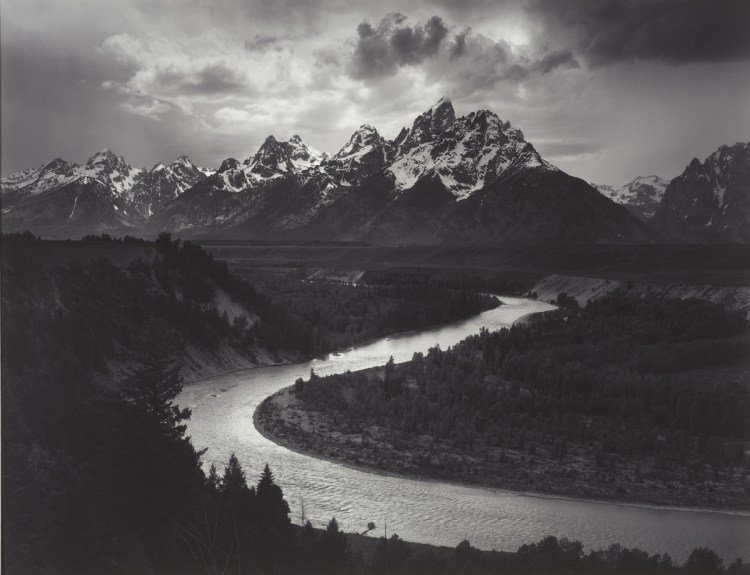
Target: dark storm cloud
383, 50
470, 59
458, 44
553, 60
212, 79
673, 31
261, 43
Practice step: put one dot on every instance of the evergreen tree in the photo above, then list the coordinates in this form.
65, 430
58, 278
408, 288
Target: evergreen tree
274, 508
233, 481
213, 482
334, 549
154, 387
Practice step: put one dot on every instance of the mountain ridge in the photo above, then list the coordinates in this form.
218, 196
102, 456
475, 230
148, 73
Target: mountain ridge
641, 196
710, 200
443, 179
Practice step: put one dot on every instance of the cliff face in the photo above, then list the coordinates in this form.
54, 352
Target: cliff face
710, 200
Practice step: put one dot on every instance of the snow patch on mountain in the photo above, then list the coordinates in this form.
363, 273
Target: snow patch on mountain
641, 195
111, 169
709, 200
468, 154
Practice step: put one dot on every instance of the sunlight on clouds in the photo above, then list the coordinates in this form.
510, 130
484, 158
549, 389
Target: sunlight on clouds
153, 110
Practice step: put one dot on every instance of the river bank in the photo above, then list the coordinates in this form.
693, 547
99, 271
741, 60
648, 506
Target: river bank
420, 509
283, 419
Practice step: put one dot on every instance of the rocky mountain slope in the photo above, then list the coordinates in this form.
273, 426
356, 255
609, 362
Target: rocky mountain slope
641, 197
443, 179
709, 201
468, 179
63, 199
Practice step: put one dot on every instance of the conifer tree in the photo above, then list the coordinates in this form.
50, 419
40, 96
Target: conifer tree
213, 481
271, 499
155, 386
334, 548
233, 481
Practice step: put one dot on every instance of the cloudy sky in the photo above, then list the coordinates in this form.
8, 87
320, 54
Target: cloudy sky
605, 89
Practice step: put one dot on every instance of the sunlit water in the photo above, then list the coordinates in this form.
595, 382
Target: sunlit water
427, 511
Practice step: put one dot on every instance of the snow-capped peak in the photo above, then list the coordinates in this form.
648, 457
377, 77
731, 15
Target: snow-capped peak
109, 168
282, 157
468, 154
301, 155
362, 140
365, 153
229, 164
641, 195
427, 126
270, 160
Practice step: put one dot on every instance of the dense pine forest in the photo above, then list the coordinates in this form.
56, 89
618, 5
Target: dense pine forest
97, 473
630, 398
335, 315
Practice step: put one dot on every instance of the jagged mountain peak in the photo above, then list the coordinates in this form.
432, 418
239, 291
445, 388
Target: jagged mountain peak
271, 159
723, 156
471, 177
641, 196
110, 168
227, 165
301, 155
364, 154
653, 179
471, 152
363, 137
490, 128
58, 165
709, 201
441, 114
427, 126
283, 157
105, 152
105, 156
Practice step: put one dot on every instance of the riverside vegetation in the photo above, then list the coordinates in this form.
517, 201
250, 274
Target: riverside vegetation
335, 315
98, 475
634, 399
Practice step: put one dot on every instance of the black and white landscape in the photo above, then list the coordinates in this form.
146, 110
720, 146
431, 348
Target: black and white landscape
444, 179
401, 287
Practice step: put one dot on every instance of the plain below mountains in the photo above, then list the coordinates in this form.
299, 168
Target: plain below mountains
442, 180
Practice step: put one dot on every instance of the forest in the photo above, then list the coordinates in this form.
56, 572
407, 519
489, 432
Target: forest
621, 399
98, 475
333, 315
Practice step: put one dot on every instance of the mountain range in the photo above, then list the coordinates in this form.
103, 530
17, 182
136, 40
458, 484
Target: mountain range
641, 196
443, 179
62, 199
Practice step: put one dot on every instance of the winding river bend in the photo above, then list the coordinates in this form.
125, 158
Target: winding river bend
425, 511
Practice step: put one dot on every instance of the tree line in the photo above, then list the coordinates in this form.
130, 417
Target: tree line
620, 379
98, 475
323, 316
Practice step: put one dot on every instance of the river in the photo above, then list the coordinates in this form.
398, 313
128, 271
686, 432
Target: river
426, 511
